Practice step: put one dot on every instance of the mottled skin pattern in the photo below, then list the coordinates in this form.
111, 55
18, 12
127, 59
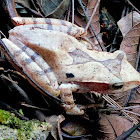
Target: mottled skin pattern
68, 66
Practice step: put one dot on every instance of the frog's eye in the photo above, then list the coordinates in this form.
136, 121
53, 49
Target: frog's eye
117, 86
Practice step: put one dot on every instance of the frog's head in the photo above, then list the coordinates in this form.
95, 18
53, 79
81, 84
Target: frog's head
126, 76
104, 72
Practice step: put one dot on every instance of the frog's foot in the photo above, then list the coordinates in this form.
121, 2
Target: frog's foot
67, 98
73, 110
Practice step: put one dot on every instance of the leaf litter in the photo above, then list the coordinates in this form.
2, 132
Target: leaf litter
113, 125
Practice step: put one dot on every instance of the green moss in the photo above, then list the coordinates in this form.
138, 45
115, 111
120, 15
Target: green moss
25, 129
21, 112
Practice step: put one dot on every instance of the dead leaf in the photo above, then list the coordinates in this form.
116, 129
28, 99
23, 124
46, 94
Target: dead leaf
113, 126
120, 98
55, 8
54, 120
74, 129
136, 102
75, 126
130, 43
126, 23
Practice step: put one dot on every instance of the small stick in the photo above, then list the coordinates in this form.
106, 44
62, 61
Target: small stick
7, 78
72, 11
15, 72
32, 106
102, 47
118, 30
138, 56
133, 6
34, 5
39, 7
2, 34
30, 10
93, 13
12, 110
1, 69
112, 102
126, 134
59, 120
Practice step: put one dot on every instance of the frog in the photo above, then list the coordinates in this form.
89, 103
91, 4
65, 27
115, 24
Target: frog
52, 55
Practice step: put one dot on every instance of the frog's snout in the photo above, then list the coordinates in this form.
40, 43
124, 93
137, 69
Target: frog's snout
116, 86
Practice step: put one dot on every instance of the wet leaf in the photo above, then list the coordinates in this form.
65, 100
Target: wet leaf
74, 129
113, 126
55, 8
75, 126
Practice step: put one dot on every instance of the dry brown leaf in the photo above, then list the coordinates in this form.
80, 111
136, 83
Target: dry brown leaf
127, 22
113, 126
136, 97
130, 43
136, 102
54, 120
74, 128
120, 98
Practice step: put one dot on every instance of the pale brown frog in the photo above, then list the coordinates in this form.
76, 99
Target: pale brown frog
60, 64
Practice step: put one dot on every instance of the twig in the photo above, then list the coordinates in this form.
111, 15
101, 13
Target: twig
129, 107
132, 113
126, 134
29, 9
93, 13
6, 106
2, 34
138, 56
35, 107
58, 126
39, 7
7, 78
129, 97
118, 30
87, 17
1, 69
112, 102
34, 5
15, 73
133, 6
119, 109
72, 11
21, 94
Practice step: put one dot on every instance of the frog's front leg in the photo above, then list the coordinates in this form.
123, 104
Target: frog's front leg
67, 98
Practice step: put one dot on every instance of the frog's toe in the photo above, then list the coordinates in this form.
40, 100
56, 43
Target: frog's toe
75, 111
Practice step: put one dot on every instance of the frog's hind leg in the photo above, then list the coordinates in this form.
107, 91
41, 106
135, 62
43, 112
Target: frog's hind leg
67, 98
50, 24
